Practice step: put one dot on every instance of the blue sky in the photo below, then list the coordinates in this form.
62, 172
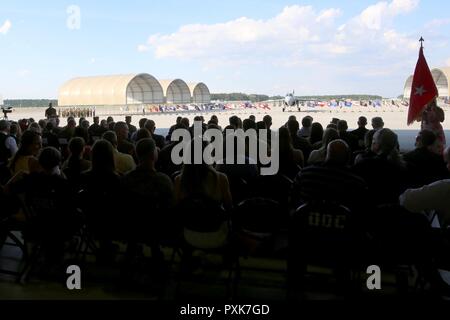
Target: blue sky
256, 46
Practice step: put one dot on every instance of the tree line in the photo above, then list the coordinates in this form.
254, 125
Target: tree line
30, 103
34, 103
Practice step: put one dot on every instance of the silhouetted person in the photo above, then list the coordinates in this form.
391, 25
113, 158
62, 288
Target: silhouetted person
367, 153
123, 162
319, 155
299, 143
315, 139
96, 130
150, 195
122, 133
291, 159
305, 130
75, 165
360, 133
432, 198
377, 123
159, 140
50, 112
351, 140
333, 180
425, 165
385, 173
131, 129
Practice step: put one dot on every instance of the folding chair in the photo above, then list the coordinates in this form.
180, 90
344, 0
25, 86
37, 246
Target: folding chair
238, 187
49, 225
206, 228
278, 188
7, 229
321, 234
259, 226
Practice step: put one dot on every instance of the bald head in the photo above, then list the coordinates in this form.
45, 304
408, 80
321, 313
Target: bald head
150, 126
338, 152
384, 141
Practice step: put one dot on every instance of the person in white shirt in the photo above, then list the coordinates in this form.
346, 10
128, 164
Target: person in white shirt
431, 198
8, 147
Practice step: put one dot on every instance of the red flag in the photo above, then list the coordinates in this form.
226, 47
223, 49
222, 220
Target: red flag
423, 89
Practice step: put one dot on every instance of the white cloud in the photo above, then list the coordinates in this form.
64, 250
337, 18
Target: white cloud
397, 41
378, 16
297, 37
448, 62
142, 48
92, 61
374, 26
329, 15
437, 23
245, 37
4, 29
403, 6
23, 73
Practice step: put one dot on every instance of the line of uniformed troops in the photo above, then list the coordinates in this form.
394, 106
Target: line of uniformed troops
76, 112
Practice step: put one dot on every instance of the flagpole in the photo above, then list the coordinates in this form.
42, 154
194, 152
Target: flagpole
423, 88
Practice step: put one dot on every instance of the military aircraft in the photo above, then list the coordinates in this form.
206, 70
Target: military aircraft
291, 101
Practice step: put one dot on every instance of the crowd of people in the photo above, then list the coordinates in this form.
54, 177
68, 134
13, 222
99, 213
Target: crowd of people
124, 178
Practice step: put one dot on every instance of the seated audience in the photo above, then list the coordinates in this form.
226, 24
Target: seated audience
131, 129
122, 162
102, 199
316, 136
25, 158
96, 130
75, 165
319, 155
150, 190
333, 180
203, 180
49, 195
122, 133
432, 198
377, 123
142, 122
360, 133
351, 140
367, 153
67, 132
386, 173
247, 171
291, 159
298, 142
159, 140
305, 131
50, 136
425, 165
8, 144
141, 134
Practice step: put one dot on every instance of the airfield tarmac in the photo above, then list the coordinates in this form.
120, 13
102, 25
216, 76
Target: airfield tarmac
394, 118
